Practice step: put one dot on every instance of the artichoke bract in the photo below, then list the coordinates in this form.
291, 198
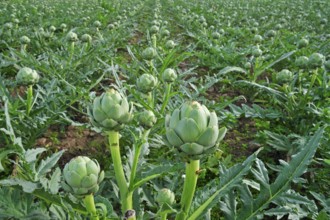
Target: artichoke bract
82, 176
193, 130
27, 76
110, 111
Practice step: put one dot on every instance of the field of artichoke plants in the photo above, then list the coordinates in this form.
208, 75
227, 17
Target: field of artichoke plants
215, 109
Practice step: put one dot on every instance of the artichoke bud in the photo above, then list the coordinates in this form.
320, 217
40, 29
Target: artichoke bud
86, 38
147, 119
146, 82
154, 29
302, 62
302, 43
149, 53
82, 176
316, 60
169, 75
284, 76
165, 196
110, 111
72, 37
193, 130
25, 40
27, 76
170, 44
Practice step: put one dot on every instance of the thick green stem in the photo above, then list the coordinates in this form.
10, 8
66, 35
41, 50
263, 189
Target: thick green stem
90, 206
192, 168
29, 99
126, 202
163, 216
166, 98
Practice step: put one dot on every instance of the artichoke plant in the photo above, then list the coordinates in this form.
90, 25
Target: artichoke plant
110, 111
193, 130
82, 176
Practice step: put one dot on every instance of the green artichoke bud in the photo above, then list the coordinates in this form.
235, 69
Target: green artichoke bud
63, 26
216, 35
149, 53
247, 65
27, 76
97, 24
170, 44
154, 29
82, 176
193, 130
111, 26
302, 62
270, 33
147, 119
302, 43
110, 111
169, 75
284, 76
25, 40
52, 28
316, 60
8, 26
165, 196
256, 52
86, 38
72, 37
257, 38
165, 33
146, 82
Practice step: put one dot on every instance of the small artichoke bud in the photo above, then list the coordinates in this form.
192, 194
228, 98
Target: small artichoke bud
247, 65
146, 82
8, 26
82, 176
257, 38
316, 60
284, 76
149, 53
110, 111
256, 52
169, 75
165, 196
52, 28
86, 38
302, 62
154, 29
25, 40
170, 44
193, 130
72, 37
302, 43
147, 119
97, 24
27, 76
216, 35
270, 33
165, 33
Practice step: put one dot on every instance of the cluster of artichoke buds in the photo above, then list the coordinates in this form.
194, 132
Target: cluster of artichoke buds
110, 111
27, 76
193, 130
82, 176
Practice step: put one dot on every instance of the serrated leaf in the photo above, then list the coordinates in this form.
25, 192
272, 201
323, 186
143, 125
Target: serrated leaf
46, 165
230, 69
228, 206
4, 155
228, 179
31, 154
54, 182
289, 172
27, 186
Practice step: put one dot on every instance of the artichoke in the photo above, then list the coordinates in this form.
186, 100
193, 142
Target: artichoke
165, 196
302, 43
193, 130
72, 37
27, 76
149, 53
169, 75
82, 176
316, 60
147, 119
24, 40
86, 38
302, 62
146, 82
170, 44
284, 76
110, 111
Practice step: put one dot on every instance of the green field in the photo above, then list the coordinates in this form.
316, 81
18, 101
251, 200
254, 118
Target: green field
164, 109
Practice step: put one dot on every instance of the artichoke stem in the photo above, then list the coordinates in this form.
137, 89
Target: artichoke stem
192, 168
166, 98
90, 206
163, 216
126, 201
29, 99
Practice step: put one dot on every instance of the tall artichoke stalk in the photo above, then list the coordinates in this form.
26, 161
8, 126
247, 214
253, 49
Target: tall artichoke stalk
111, 112
194, 131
